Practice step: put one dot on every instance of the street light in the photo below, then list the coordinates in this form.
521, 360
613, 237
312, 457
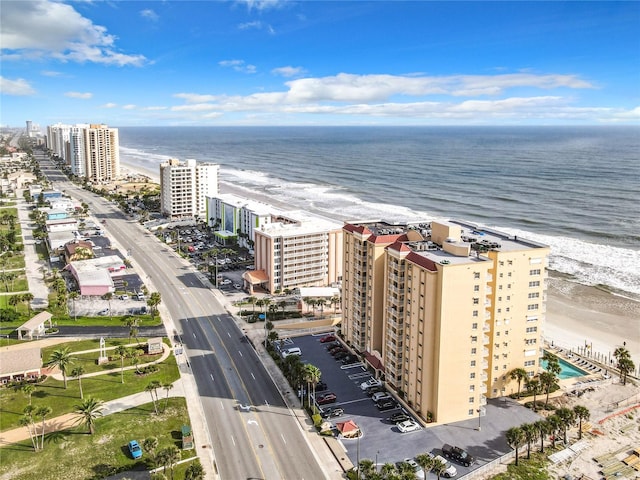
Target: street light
479, 410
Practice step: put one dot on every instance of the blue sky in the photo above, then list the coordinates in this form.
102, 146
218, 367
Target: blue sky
273, 62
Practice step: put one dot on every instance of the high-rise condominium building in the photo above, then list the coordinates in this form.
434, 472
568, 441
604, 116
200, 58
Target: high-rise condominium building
444, 310
185, 186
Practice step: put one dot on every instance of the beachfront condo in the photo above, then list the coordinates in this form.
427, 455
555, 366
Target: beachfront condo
185, 186
443, 311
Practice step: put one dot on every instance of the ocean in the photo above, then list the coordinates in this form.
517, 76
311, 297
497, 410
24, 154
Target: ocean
576, 189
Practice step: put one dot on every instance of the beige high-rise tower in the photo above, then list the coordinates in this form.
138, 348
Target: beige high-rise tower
102, 153
444, 311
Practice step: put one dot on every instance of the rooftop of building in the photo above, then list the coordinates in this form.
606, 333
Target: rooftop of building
255, 206
299, 222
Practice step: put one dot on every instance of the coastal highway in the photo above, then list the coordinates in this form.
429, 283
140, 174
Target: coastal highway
253, 434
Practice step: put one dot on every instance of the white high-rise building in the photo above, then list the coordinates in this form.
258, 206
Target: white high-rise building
76, 156
185, 186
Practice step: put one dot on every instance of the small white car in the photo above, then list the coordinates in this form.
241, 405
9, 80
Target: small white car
372, 382
450, 470
380, 396
291, 351
408, 426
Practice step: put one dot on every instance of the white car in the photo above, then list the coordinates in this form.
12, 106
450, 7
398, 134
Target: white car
408, 426
372, 382
415, 467
450, 470
291, 351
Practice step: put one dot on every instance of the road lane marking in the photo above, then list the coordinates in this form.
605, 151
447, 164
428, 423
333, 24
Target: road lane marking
194, 335
252, 422
211, 375
284, 440
253, 376
240, 353
233, 440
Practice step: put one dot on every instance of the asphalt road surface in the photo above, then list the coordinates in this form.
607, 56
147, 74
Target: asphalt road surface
263, 441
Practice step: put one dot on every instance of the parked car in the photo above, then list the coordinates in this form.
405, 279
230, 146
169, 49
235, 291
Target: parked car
450, 471
384, 405
410, 463
104, 311
376, 397
291, 351
372, 382
134, 449
408, 426
399, 417
332, 345
340, 355
124, 297
373, 390
349, 359
140, 296
458, 455
328, 338
321, 386
335, 351
332, 412
326, 398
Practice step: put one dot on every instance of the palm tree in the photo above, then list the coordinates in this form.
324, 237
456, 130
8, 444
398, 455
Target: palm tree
533, 386
252, 301
567, 418
27, 422
73, 296
153, 302
425, 461
150, 445
28, 389
553, 363
194, 471
581, 413
547, 380
90, 409
626, 366
273, 309
167, 387
266, 302
14, 300
438, 467
121, 352
108, 296
78, 372
27, 298
366, 467
282, 304
530, 432
312, 376
61, 358
387, 470
335, 301
42, 412
515, 437
621, 352
152, 388
518, 374
544, 428
321, 302
555, 423
169, 456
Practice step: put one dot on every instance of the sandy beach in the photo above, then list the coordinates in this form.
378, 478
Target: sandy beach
577, 315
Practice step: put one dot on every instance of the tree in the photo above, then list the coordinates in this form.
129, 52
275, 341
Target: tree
89, 410
321, 302
73, 296
152, 388
252, 301
283, 305
78, 372
166, 387
28, 389
555, 423
108, 296
544, 428
14, 300
150, 445
27, 421
425, 461
530, 433
533, 386
518, 374
194, 471
626, 366
27, 298
168, 457
312, 376
553, 363
121, 352
153, 302
581, 413
61, 358
547, 380
366, 467
266, 302
567, 418
42, 412
438, 467
515, 437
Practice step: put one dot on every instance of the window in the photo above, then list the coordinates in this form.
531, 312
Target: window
474, 326
472, 388
534, 284
476, 288
534, 295
474, 339
471, 411
475, 313
533, 306
471, 399
529, 363
535, 271
476, 301
473, 363
473, 351
476, 275
472, 375
532, 329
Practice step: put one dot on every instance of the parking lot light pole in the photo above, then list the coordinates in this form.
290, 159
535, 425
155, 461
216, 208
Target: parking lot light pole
479, 410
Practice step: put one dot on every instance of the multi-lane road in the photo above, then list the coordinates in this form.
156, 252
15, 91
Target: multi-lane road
263, 441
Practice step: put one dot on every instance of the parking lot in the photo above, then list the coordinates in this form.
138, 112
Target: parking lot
382, 442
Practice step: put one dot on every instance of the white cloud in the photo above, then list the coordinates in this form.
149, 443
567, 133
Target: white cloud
250, 25
17, 87
262, 5
51, 73
288, 71
149, 14
196, 98
80, 95
129, 107
42, 28
238, 66
110, 105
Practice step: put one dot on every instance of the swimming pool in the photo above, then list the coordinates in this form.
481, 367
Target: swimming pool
567, 370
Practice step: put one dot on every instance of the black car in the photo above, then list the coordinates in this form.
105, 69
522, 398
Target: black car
321, 387
372, 390
340, 355
332, 412
399, 417
384, 405
458, 455
349, 359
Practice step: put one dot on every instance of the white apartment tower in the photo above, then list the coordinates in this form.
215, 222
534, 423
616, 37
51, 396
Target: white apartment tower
185, 186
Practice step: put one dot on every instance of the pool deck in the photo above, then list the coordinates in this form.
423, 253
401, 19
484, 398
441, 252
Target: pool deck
597, 373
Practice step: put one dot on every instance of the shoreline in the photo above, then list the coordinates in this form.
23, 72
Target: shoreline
576, 315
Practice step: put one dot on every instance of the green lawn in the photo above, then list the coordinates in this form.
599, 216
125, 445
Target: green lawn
105, 387
107, 321
76, 455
